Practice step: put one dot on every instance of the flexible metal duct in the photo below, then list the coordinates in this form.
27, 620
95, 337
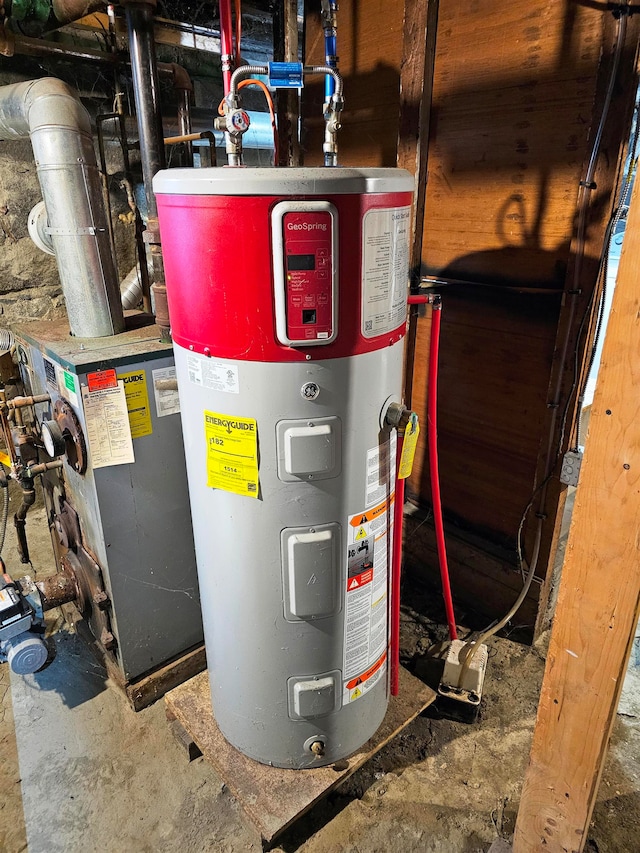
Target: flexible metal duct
6, 341
131, 289
49, 112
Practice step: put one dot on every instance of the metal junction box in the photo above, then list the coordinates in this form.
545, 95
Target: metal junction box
123, 524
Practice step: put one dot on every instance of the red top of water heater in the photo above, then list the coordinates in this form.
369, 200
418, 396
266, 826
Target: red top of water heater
217, 229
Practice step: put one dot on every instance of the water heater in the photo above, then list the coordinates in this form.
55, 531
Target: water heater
287, 291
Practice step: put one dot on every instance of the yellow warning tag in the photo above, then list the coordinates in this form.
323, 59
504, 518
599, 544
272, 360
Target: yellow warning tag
232, 453
355, 694
409, 448
135, 390
361, 534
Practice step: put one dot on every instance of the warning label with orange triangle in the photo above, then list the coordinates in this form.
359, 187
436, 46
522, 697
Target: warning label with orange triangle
372, 514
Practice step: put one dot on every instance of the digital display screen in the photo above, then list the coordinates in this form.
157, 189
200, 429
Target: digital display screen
301, 262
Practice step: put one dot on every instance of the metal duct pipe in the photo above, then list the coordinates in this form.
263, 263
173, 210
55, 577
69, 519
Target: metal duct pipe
146, 87
6, 341
131, 289
59, 126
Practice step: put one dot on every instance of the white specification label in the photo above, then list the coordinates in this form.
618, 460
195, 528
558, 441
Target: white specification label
108, 429
213, 374
167, 400
365, 642
381, 470
385, 269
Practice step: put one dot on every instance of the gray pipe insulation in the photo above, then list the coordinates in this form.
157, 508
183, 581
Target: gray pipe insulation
50, 113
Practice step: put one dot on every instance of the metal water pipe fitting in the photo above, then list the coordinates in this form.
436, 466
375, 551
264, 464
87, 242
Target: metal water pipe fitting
235, 121
328, 10
331, 109
26, 483
21, 402
398, 416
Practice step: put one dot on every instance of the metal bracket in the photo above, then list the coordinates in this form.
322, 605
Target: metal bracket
89, 231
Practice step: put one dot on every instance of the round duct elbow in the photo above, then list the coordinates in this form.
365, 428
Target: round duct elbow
37, 224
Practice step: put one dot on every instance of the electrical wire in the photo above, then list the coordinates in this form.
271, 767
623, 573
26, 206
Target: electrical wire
587, 185
4, 514
604, 268
603, 271
467, 653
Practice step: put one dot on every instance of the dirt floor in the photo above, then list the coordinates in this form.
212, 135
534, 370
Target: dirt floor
79, 771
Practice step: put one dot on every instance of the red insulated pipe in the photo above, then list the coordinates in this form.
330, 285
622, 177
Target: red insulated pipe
396, 572
432, 438
226, 43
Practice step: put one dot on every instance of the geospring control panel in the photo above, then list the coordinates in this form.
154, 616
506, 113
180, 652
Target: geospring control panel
305, 265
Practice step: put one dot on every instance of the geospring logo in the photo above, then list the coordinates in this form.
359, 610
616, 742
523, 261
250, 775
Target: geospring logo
306, 226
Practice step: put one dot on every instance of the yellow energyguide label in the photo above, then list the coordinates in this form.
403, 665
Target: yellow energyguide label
135, 389
409, 449
232, 453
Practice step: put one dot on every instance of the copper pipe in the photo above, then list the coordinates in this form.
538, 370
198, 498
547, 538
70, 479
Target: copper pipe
206, 134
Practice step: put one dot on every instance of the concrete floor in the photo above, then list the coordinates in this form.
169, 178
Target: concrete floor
81, 772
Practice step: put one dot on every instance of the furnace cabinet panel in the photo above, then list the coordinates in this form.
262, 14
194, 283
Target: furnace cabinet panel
135, 517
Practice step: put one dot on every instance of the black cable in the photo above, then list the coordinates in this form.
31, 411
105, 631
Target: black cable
604, 269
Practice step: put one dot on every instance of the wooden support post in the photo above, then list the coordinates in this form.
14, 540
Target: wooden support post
285, 49
599, 598
416, 93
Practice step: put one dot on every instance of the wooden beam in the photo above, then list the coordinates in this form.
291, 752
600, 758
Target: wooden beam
285, 49
416, 92
416, 87
171, 33
599, 598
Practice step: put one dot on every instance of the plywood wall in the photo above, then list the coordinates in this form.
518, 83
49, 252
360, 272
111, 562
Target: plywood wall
370, 51
516, 88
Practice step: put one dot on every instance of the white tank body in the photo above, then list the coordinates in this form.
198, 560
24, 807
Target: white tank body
290, 465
